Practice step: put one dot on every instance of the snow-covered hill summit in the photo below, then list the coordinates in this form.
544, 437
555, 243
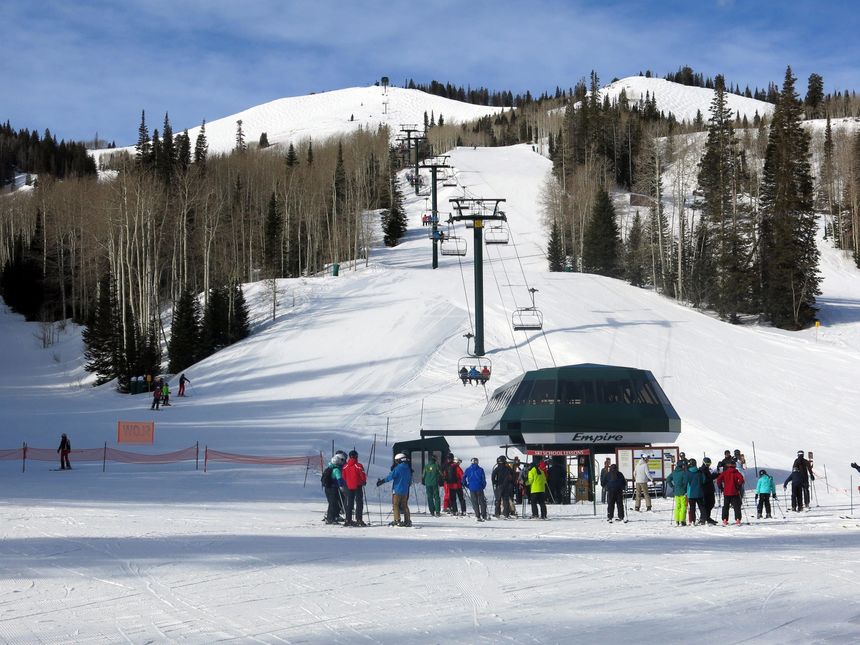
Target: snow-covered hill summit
330, 114
684, 101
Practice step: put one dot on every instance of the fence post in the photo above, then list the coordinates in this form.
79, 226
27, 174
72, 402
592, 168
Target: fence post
197, 458
24, 458
205, 458
826, 481
307, 470
387, 419
104, 457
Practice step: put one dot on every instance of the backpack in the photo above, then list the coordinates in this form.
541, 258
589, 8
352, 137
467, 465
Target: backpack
326, 479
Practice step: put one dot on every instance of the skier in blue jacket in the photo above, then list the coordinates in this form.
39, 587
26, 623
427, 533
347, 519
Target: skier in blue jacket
695, 492
401, 478
764, 488
475, 481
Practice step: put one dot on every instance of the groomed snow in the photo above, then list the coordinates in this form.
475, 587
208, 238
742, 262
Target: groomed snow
165, 553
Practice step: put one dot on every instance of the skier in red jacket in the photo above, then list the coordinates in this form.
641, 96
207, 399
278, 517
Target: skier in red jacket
730, 482
355, 478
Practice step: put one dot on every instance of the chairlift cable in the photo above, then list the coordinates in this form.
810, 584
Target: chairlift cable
502, 300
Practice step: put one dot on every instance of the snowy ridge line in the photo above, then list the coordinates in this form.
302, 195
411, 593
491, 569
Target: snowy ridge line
301, 460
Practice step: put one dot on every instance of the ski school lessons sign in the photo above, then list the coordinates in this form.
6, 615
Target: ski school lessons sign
135, 432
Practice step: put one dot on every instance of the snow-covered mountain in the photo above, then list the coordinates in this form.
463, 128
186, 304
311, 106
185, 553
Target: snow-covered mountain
328, 114
684, 101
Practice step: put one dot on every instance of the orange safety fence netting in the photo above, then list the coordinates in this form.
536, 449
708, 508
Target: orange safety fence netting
76, 454
305, 460
186, 454
14, 453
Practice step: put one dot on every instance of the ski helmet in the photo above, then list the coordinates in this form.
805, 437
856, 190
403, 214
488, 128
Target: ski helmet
800, 453
501, 459
399, 457
692, 462
762, 473
457, 460
474, 460
706, 460
337, 460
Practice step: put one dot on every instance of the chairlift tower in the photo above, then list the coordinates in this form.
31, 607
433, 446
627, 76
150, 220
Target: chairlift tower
473, 209
412, 134
434, 214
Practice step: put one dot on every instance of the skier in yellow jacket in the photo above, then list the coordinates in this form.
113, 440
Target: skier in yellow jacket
537, 488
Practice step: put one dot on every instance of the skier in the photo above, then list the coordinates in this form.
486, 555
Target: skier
616, 485
485, 374
695, 492
464, 375
740, 460
603, 473
764, 488
709, 494
475, 480
182, 382
332, 482
727, 457
401, 478
537, 489
502, 479
446, 498
806, 474
455, 487
165, 394
64, 450
474, 375
678, 481
730, 482
641, 479
517, 469
355, 478
796, 479
156, 398
432, 479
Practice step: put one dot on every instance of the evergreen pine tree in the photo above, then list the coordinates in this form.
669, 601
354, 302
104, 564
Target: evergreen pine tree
264, 140
602, 241
292, 157
310, 153
167, 156
634, 265
183, 151
394, 222
201, 148
216, 322
238, 325
100, 340
240, 137
183, 348
554, 251
143, 147
789, 256
274, 230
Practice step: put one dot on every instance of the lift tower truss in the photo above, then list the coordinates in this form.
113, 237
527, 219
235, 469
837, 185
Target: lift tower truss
434, 165
412, 136
478, 210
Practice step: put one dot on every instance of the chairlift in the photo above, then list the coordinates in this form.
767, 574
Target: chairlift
452, 245
498, 234
483, 366
528, 318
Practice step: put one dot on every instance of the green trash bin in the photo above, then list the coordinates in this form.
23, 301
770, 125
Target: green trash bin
335, 268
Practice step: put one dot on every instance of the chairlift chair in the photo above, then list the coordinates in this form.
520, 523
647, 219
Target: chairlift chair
479, 363
452, 245
498, 234
527, 319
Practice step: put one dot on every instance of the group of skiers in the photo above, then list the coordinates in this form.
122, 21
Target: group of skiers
343, 481
694, 488
161, 392
474, 375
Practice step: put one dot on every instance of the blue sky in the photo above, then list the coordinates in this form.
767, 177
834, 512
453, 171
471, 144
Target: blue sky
86, 66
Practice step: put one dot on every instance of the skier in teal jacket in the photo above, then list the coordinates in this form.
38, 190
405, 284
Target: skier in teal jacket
678, 481
764, 488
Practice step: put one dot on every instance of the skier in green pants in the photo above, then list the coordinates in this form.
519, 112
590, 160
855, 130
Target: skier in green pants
432, 478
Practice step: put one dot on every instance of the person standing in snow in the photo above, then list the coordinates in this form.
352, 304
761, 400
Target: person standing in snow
156, 398
447, 461
517, 469
355, 478
537, 489
731, 483
740, 460
455, 487
182, 382
401, 478
764, 488
502, 479
165, 394
332, 482
678, 481
796, 480
695, 492
641, 479
727, 457
475, 481
64, 450
431, 477
616, 485
805, 474
708, 491
603, 473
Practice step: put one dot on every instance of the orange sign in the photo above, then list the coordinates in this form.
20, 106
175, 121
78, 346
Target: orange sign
135, 431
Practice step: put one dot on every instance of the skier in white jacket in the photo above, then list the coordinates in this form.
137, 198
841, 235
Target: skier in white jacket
641, 479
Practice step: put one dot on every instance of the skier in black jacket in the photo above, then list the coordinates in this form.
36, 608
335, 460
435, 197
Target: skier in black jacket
710, 494
616, 485
502, 479
796, 479
64, 450
805, 473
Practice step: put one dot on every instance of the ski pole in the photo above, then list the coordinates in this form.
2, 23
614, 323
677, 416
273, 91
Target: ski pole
815, 493
778, 507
